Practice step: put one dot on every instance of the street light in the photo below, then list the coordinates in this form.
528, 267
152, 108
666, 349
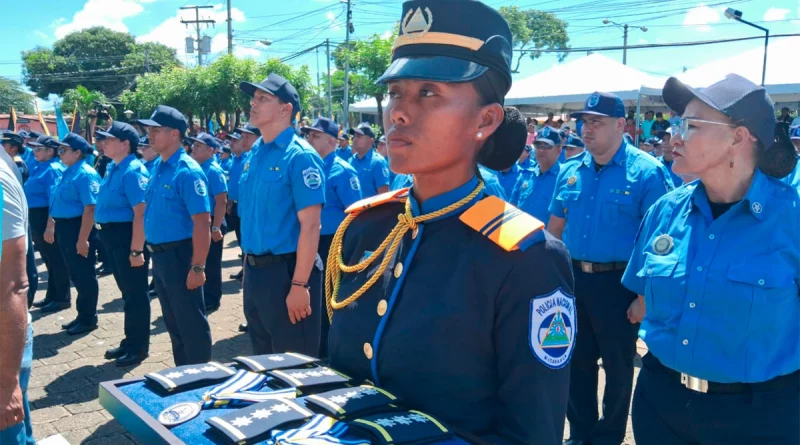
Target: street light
265, 42
128, 114
734, 14
624, 37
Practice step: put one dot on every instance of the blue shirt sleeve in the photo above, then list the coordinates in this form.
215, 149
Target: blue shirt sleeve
307, 180
556, 205
348, 189
380, 173
656, 184
631, 279
216, 182
89, 188
194, 190
134, 184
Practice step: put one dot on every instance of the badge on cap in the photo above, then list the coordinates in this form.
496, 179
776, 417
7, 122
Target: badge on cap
312, 178
200, 187
572, 180
546, 131
663, 244
415, 25
594, 99
553, 328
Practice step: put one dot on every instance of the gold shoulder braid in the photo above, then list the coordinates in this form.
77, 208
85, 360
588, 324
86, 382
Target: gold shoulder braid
335, 267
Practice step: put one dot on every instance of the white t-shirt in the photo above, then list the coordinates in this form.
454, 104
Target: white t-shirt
15, 206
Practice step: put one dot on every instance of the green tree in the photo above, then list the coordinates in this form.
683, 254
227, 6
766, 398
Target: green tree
98, 58
12, 95
534, 31
369, 60
85, 99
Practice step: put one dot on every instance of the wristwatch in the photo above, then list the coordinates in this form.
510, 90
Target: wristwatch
198, 268
214, 229
135, 253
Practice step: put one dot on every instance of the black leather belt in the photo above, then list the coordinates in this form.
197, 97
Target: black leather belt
263, 260
704, 386
589, 267
163, 247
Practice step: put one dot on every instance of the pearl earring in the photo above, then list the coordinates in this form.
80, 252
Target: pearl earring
480, 135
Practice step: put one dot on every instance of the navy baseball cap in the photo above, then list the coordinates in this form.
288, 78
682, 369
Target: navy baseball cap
226, 149
323, 125
46, 141
795, 133
207, 139
234, 135
121, 131
249, 129
24, 134
277, 86
574, 141
13, 138
364, 130
77, 143
343, 137
744, 102
34, 134
382, 139
549, 136
450, 41
602, 104
165, 116
144, 142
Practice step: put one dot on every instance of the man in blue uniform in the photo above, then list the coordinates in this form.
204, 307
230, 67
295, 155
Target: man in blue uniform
342, 190
203, 151
177, 227
372, 168
241, 151
573, 147
225, 160
534, 193
599, 201
281, 194
149, 156
667, 158
794, 177
344, 151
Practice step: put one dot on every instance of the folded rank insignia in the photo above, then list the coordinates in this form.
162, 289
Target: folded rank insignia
189, 376
249, 424
300, 378
349, 402
268, 362
403, 427
320, 430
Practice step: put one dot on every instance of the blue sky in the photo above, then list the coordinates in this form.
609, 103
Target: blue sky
293, 25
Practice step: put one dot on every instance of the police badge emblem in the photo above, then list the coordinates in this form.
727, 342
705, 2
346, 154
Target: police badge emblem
354, 184
94, 187
180, 413
200, 187
572, 180
143, 182
594, 99
663, 244
546, 131
312, 178
553, 328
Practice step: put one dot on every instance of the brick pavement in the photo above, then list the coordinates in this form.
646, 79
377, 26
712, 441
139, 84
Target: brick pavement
63, 387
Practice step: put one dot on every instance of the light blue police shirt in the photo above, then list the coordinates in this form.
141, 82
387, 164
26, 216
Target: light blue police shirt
149, 165
177, 191
721, 296
509, 179
534, 192
226, 164
490, 183
677, 181
122, 189
279, 179
373, 172
78, 188
342, 189
792, 179
401, 181
42, 182
345, 154
217, 183
604, 209
235, 174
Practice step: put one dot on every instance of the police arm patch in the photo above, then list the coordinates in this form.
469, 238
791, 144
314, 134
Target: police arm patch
312, 178
354, 184
553, 328
94, 187
143, 180
200, 187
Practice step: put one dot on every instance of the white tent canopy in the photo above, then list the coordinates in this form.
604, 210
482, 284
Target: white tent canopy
368, 106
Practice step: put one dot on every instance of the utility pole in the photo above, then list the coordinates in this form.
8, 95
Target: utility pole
625, 45
230, 30
197, 22
328, 57
318, 95
346, 106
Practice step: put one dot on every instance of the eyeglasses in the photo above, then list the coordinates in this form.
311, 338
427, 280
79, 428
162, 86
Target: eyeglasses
543, 146
42, 148
682, 128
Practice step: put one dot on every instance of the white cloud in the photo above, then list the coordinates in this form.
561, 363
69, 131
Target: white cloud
330, 16
108, 13
775, 14
388, 34
42, 35
701, 17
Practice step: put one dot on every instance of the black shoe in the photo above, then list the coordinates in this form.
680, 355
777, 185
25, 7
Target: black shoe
237, 276
241, 256
81, 328
103, 271
211, 309
42, 303
69, 325
55, 306
243, 327
131, 359
152, 293
114, 353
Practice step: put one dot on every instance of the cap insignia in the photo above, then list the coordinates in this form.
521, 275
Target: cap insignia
415, 25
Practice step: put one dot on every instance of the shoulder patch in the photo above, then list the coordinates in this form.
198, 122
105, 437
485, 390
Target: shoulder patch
501, 222
553, 328
373, 201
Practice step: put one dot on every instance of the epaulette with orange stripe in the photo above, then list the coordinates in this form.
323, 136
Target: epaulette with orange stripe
501, 222
373, 201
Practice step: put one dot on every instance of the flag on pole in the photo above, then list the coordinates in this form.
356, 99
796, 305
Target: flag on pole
41, 118
63, 129
76, 120
12, 120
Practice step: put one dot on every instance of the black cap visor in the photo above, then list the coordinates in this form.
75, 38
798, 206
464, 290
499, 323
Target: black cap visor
104, 134
249, 88
433, 68
579, 114
677, 96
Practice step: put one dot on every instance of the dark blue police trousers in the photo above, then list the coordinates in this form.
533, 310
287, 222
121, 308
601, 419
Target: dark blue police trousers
184, 310
80, 269
666, 413
603, 332
132, 283
324, 249
265, 290
212, 290
57, 276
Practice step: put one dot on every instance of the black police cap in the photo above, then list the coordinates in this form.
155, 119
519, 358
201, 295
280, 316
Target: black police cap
165, 116
323, 125
13, 138
277, 86
77, 143
121, 131
450, 41
251, 129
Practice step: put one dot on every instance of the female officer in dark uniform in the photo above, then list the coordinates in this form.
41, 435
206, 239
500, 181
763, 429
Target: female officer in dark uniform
717, 265
454, 300
38, 191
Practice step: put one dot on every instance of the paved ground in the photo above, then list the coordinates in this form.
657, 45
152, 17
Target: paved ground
66, 370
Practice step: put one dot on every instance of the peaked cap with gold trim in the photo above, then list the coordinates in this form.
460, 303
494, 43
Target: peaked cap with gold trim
450, 41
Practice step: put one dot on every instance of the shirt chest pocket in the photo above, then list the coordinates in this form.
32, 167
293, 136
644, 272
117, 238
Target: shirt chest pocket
569, 201
274, 183
664, 284
763, 280
616, 208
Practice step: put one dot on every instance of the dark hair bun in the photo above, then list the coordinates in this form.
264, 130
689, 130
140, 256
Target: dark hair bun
780, 158
505, 146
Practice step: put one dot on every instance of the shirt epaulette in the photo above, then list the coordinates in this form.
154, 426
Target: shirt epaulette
501, 222
373, 201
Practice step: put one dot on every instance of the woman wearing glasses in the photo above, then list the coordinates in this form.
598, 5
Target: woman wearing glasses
71, 223
716, 266
38, 190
